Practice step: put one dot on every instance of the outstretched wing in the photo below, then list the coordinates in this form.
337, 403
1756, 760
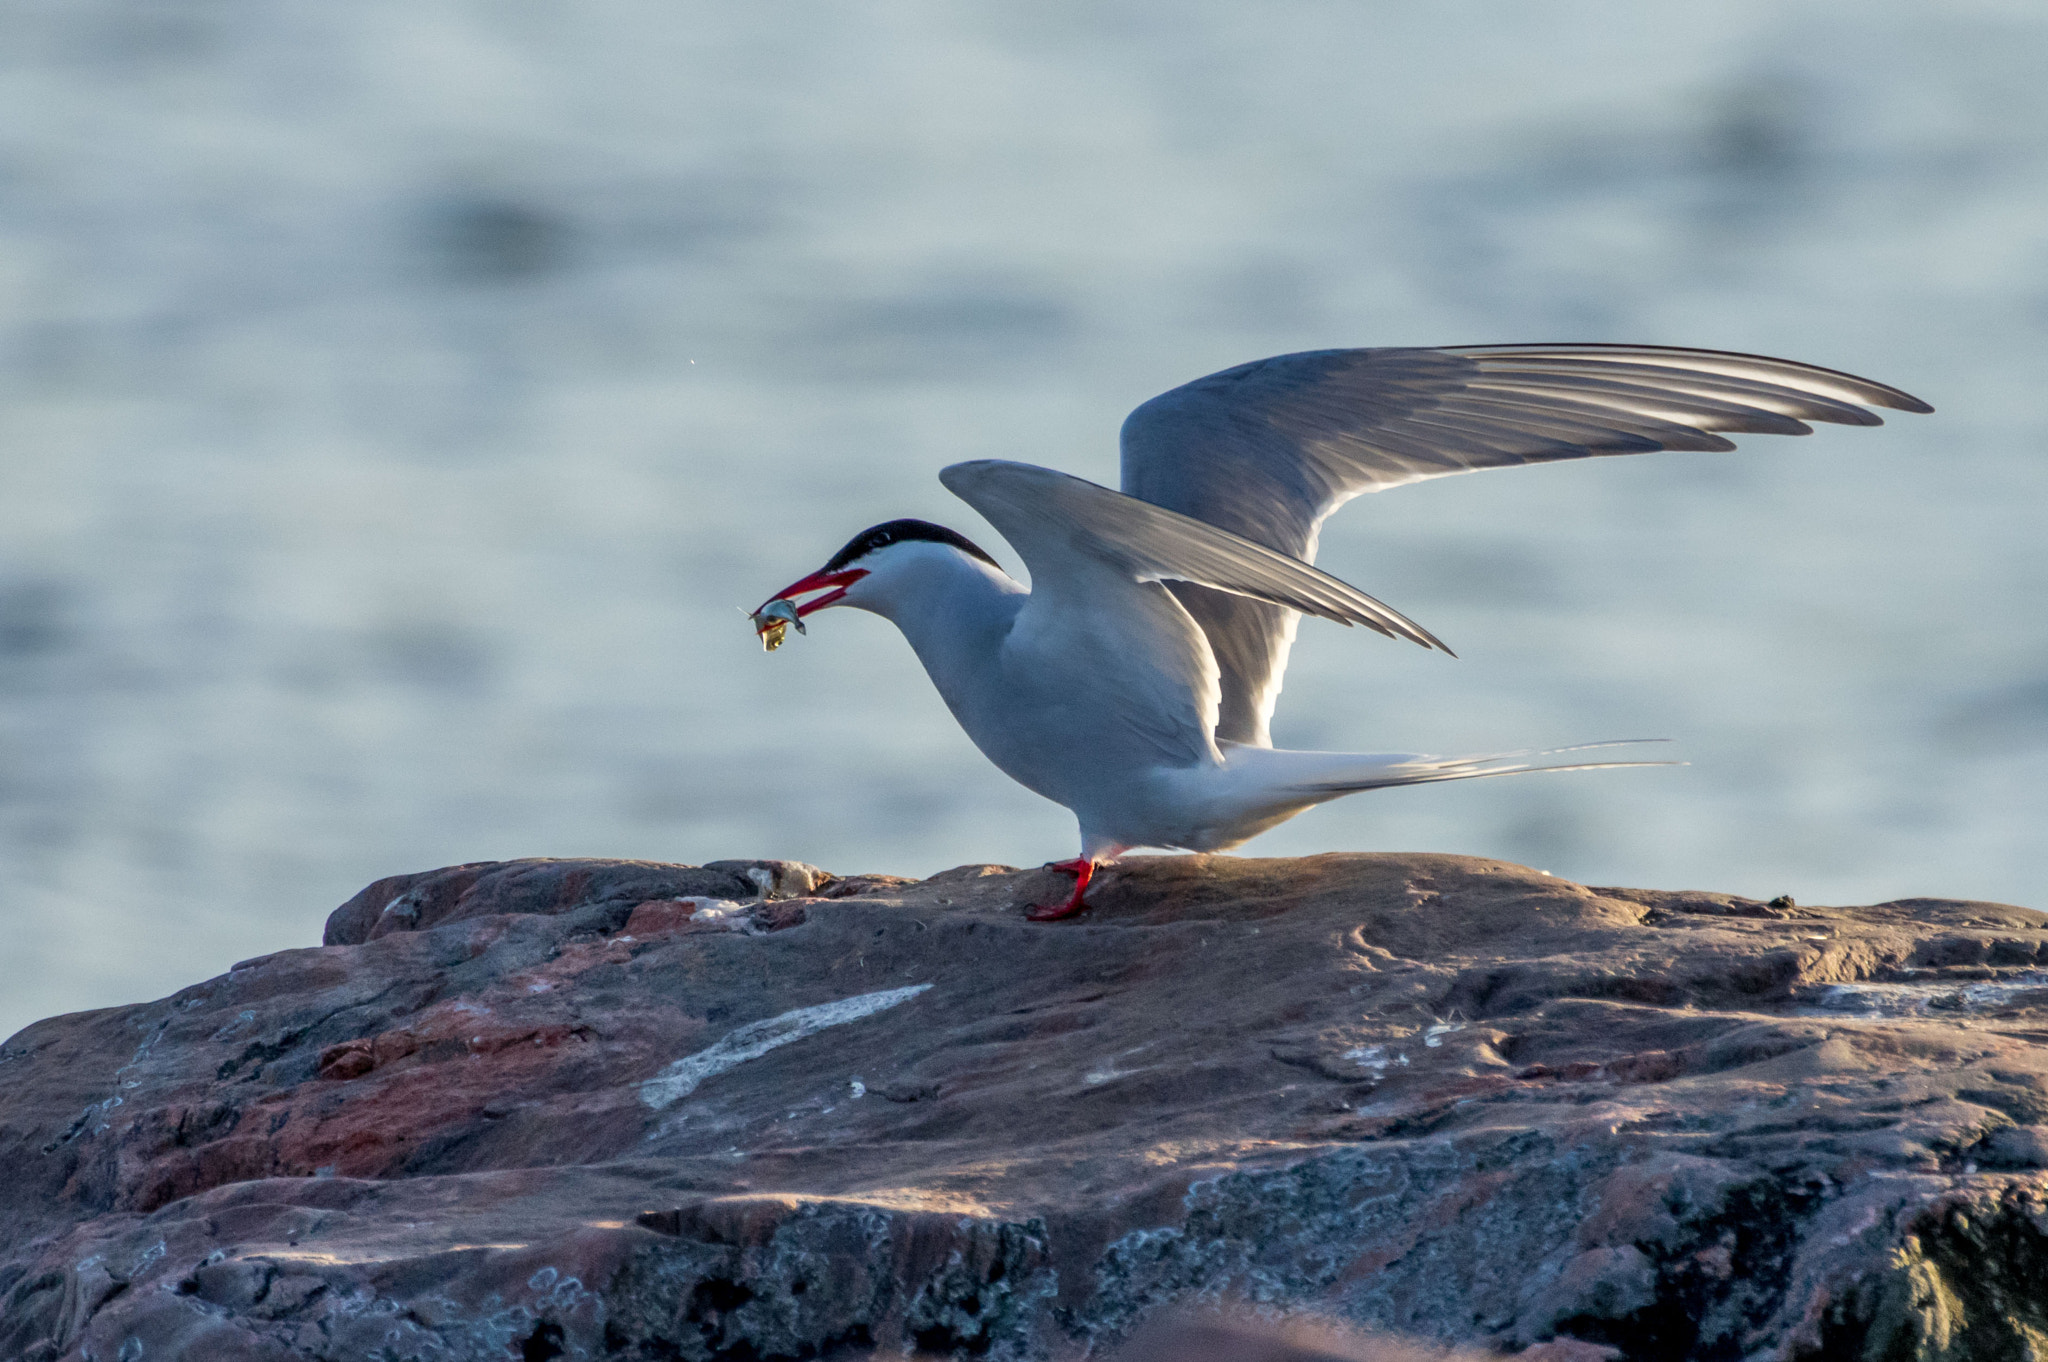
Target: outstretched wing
1098, 560
1269, 449
1067, 529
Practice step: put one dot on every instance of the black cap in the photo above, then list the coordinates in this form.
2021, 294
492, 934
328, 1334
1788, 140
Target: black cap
897, 532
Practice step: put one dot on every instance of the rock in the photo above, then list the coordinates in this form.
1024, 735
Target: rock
410, 903
617, 1109
1239, 1338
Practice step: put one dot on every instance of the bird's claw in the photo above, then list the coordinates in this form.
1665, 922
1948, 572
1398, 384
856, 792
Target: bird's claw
1083, 870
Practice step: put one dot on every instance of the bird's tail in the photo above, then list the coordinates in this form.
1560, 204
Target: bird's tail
1325, 775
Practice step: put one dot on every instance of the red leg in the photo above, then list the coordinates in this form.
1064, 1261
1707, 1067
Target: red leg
1083, 870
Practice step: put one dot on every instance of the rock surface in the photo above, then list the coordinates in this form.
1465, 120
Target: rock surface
589, 1109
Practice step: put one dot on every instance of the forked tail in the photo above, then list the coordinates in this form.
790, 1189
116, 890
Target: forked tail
1317, 776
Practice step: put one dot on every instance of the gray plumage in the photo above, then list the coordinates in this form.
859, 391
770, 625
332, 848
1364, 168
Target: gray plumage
1269, 449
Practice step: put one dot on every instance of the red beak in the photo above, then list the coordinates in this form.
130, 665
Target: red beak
833, 584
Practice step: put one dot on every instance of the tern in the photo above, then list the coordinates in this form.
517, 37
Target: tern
1134, 680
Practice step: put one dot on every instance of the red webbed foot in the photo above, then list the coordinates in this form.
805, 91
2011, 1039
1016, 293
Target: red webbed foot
1083, 870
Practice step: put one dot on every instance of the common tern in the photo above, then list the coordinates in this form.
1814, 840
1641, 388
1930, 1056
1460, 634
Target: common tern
1134, 680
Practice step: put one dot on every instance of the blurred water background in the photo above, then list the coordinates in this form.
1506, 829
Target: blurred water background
397, 398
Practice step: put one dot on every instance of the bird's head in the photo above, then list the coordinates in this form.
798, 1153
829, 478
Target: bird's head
872, 571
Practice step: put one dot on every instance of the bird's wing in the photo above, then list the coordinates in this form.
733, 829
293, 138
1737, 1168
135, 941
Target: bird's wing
1097, 558
1269, 449
1067, 528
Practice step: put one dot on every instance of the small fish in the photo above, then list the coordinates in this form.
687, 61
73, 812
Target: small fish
772, 622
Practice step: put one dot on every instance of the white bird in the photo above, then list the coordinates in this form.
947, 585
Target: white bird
1134, 681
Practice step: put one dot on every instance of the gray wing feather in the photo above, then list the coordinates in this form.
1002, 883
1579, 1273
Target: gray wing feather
1099, 562
1057, 522
1268, 449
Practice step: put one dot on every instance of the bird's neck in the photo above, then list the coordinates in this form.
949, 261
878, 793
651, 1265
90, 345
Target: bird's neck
955, 611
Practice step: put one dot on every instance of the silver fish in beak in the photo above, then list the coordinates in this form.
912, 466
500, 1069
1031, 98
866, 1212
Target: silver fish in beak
772, 622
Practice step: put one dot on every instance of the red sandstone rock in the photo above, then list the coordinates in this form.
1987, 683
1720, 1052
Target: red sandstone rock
583, 1109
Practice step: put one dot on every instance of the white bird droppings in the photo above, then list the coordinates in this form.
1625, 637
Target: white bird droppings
755, 1039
